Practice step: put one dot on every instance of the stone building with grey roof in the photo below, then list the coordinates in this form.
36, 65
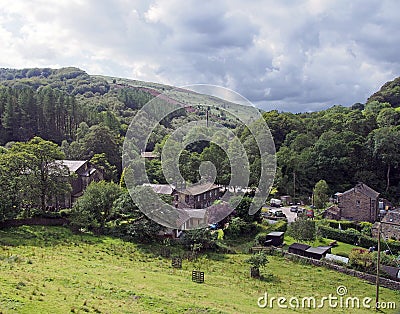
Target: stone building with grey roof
82, 174
360, 203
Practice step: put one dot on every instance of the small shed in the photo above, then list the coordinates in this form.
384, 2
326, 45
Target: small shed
392, 272
298, 248
317, 252
274, 238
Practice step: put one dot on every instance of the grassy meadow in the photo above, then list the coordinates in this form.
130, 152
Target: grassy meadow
51, 270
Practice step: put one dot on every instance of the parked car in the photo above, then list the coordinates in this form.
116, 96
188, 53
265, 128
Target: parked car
279, 213
273, 213
300, 210
275, 202
293, 208
310, 213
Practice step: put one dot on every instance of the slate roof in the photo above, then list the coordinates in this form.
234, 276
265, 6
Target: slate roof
161, 188
299, 246
200, 188
319, 249
196, 213
364, 189
72, 165
275, 234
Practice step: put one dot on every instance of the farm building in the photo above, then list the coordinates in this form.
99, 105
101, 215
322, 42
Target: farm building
332, 212
308, 251
298, 249
274, 238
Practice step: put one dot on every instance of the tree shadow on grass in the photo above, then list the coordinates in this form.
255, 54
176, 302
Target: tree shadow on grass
270, 278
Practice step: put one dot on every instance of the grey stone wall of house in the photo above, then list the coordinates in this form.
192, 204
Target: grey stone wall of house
202, 200
391, 230
357, 206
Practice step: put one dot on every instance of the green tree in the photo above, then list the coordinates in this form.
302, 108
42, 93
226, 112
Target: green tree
256, 261
100, 139
217, 156
202, 238
95, 207
14, 171
132, 223
302, 229
46, 178
242, 209
386, 147
109, 171
321, 194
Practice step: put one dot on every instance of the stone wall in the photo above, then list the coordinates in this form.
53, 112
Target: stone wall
41, 221
384, 282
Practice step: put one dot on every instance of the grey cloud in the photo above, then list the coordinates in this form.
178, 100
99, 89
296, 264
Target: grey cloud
299, 56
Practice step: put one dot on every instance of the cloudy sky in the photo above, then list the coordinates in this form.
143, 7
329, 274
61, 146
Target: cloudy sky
287, 55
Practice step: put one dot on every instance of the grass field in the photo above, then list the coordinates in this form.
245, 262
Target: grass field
50, 270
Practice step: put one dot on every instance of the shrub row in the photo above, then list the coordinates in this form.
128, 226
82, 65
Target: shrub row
351, 236
339, 235
344, 224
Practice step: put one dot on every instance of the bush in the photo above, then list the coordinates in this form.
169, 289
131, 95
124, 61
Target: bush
367, 242
237, 227
335, 234
280, 226
261, 238
302, 229
200, 237
361, 259
366, 228
257, 260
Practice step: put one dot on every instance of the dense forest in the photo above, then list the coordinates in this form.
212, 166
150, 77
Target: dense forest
87, 117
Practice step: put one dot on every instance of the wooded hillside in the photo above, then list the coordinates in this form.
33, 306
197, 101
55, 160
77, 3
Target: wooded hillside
341, 145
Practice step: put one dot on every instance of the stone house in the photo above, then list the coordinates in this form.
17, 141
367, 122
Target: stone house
197, 196
359, 204
332, 212
390, 229
82, 174
191, 202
